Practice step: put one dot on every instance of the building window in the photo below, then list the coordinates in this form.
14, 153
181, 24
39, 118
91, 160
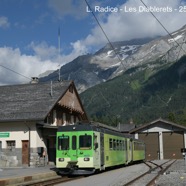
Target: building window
10, 145
54, 117
71, 89
50, 118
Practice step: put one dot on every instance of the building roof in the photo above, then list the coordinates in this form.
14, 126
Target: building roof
126, 127
155, 122
30, 101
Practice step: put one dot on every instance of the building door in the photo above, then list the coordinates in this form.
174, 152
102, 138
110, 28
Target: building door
151, 141
51, 149
172, 144
25, 151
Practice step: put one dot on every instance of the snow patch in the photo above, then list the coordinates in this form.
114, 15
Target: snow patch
174, 33
109, 53
124, 56
152, 47
117, 64
174, 39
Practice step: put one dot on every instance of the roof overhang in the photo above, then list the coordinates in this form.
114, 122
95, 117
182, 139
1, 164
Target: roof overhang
46, 126
156, 122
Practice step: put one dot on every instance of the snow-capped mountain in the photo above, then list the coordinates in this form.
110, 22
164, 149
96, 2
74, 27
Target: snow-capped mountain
166, 49
89, 70
111, 61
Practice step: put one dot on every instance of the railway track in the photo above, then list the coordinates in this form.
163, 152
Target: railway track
148, 178
50, 182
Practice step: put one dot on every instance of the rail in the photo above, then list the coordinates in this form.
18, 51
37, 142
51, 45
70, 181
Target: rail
150, 176
48, 182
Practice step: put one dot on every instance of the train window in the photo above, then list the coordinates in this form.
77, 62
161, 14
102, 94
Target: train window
74, 143
117, 144
63, 142
123, 145
138, 146
130, 145
95, 142
134, 146
120, 145
85, 142
110, 144
126, 145
114, 144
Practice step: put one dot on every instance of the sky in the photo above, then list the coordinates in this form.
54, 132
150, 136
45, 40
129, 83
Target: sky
36, 36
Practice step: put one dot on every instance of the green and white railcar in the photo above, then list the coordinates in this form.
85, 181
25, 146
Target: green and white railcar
89, 147
138, 150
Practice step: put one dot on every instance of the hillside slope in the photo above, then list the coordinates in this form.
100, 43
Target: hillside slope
141, 95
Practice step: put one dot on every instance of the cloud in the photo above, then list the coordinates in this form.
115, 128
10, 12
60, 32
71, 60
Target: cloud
4, 22
16, 67
125, 25
43, 52
26, 65
71, 7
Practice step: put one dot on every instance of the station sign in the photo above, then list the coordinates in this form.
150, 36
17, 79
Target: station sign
4, 134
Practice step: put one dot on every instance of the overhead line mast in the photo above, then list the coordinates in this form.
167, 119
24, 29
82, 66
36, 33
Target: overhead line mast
59, 51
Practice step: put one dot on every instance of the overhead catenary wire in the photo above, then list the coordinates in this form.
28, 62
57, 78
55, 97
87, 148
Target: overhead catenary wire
15, 72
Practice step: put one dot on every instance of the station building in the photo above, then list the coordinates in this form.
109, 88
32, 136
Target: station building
163, 139
29, 117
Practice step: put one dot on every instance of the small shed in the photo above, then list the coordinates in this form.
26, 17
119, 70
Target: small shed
163, 139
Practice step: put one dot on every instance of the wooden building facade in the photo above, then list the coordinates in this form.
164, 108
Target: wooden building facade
29, 117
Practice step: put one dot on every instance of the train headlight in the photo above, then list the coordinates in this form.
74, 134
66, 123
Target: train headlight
61, 159
86, 159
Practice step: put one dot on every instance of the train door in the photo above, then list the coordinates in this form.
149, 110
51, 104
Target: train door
67, 143
74, 149
126, 150
102, 148
129, 149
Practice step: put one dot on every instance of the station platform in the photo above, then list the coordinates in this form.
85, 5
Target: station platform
20, 175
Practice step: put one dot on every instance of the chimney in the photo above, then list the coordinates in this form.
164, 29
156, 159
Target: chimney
34, 80
131, 121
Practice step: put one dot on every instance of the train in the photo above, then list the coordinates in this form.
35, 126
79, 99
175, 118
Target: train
85, 148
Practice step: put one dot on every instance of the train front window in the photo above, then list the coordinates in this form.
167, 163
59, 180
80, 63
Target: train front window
63, 142
73, 142
85, 142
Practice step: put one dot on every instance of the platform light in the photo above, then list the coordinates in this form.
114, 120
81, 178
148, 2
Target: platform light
61, 159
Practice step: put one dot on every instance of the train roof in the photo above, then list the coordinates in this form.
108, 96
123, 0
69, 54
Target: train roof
93, 126
87, 126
